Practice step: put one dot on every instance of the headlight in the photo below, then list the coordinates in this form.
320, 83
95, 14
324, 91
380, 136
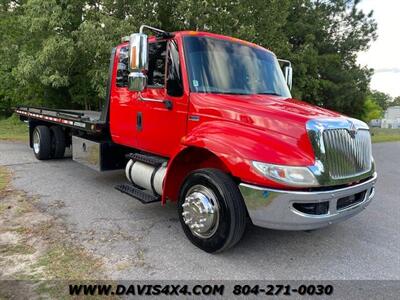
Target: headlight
294, 176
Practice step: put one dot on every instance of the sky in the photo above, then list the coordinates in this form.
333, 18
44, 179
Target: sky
384, 53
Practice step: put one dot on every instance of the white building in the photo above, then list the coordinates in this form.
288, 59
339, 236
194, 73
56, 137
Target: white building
391, 118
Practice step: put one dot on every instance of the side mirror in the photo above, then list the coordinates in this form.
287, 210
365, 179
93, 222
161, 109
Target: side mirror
138, 62
137, 81
288, 73
138, 54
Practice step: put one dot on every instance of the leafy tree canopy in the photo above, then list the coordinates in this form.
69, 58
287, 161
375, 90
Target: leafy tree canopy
382, 99
396, 101
56, 52
372, 110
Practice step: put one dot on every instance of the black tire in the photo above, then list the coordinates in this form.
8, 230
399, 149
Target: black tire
57, 142
41, 142
232, 210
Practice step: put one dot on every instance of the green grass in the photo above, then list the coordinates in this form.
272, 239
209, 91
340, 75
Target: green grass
66, 262
380, 135
4, 178
12, 129
17, 249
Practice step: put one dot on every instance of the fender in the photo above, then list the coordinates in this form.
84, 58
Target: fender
232, 147
238, 141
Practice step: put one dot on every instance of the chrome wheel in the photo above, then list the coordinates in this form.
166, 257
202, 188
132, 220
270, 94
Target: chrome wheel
201, 211
36, 142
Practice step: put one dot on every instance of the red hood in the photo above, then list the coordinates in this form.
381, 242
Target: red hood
273, 113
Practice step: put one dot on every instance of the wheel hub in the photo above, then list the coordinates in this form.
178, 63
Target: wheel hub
201, 211
36, 142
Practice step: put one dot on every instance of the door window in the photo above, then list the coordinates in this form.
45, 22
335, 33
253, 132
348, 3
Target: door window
174, 79
156, 73
122, 68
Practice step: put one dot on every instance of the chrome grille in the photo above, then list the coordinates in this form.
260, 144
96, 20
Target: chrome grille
347, 156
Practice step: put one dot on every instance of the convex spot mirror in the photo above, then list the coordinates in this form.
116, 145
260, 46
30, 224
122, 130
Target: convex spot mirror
137, 81
287, 71
138, 61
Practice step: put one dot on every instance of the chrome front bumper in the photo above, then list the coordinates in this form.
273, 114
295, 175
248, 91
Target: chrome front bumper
271, 208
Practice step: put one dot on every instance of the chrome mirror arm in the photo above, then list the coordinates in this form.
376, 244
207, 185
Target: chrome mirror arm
163, 33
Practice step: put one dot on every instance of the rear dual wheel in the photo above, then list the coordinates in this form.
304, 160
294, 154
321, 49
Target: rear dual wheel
41, 142
211, 210
57, 142
48, 142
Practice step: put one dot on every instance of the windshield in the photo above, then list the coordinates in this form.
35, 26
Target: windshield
221, 66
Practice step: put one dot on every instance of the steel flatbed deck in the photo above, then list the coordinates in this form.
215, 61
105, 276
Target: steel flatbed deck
85, 120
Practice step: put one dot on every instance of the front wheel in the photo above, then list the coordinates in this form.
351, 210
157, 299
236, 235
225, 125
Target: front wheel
211, 210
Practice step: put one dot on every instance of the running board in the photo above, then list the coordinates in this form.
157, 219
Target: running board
141, 195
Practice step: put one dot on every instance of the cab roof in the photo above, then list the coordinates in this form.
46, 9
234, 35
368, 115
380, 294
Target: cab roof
210, 35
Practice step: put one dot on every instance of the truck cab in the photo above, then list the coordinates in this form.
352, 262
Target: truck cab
208, 121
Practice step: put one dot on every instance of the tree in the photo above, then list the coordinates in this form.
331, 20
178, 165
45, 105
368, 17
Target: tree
10, 38
396, 101
325, 37
372, 110
66, 51
56, 52
382, 99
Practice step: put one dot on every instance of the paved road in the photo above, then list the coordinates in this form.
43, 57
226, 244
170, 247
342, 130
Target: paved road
146, 241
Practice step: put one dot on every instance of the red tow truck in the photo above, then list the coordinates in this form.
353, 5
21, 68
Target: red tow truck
208, 121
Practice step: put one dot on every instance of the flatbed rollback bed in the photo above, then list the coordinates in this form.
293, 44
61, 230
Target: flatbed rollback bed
85, 131
88, 121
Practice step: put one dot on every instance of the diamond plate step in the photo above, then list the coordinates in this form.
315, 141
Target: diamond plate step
147, 159
141, 195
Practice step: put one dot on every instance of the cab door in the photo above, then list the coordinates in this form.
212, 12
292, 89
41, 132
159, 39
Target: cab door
162, 109
123, 104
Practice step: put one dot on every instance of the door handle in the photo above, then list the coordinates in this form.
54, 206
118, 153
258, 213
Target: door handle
139, 121
167, 103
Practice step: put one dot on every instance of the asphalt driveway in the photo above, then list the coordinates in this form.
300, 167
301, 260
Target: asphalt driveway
146, 241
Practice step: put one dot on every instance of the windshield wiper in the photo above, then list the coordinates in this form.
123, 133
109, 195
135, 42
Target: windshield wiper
231, 93
269, 93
